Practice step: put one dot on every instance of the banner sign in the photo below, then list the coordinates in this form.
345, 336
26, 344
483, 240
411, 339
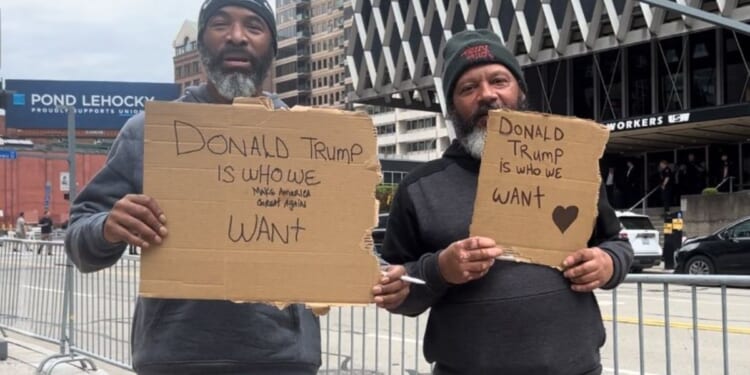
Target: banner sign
99, 105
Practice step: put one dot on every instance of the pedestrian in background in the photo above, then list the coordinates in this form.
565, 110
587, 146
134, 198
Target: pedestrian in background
632, 184
695, 175
237, 43
20, 229
487, 316
725, 172
45, 225
666, 185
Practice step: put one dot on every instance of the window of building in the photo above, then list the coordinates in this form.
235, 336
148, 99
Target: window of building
671, 62
703, 69
386, 129
583, 95
421, 146
178, 72
196, 68
387, 150
609, 68
376, 109
639, 80
422, 123
548, 87
737, 68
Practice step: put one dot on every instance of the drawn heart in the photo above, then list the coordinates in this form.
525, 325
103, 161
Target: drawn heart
564, 217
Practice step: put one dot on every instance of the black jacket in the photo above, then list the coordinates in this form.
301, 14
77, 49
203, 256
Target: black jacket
519, 318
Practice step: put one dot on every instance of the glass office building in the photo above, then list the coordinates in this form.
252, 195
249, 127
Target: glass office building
668, 79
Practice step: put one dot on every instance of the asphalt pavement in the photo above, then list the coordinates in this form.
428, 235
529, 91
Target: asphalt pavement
25, 355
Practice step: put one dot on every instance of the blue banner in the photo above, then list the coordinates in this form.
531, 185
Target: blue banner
8, 154
99, 105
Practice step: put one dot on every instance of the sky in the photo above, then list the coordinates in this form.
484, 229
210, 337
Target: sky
91, 40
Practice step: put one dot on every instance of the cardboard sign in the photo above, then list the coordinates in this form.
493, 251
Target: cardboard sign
262, 205
539, 184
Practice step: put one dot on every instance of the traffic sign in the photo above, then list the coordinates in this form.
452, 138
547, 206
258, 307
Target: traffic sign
8, 154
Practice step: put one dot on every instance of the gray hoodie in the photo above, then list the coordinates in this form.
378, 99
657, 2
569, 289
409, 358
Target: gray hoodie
187, 336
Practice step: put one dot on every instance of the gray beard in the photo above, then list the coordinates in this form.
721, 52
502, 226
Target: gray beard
474, 142
471, 137
233, 84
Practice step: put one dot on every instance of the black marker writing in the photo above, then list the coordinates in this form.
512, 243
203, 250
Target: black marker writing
190, 139
264, 230
518, 197
319, 150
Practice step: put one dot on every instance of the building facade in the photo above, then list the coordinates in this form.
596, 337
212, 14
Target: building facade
188, 70
311, 69
670, 79
313, 37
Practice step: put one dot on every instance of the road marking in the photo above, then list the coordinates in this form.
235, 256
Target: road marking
625, 372
393, 338
683, 325
58, 291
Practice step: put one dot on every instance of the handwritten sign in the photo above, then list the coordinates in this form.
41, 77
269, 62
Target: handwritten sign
262, 205
539, 184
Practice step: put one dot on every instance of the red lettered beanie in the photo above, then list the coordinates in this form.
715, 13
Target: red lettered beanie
470, 48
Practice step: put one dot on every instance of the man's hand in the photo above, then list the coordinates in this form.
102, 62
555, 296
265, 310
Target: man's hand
136, 220
588, 269
391, 291
468, 259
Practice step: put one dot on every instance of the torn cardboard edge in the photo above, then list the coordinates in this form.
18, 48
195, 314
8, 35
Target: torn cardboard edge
366, 244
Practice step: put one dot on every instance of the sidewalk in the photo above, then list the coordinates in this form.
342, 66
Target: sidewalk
25, 354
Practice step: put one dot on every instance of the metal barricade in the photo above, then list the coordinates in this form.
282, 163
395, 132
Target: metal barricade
689, 325
31, 300
656, 324
103, 305
368, 340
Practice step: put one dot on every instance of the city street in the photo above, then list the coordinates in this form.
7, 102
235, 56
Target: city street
371, 340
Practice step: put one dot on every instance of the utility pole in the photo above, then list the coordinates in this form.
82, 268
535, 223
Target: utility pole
72, 152
66, 328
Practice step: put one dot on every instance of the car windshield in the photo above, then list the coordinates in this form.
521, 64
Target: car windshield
636, 223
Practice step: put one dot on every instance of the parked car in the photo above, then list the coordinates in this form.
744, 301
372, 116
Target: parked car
378, 233
726, 251
643, 237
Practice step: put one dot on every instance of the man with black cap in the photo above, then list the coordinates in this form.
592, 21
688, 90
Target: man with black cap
488, 316
237, 42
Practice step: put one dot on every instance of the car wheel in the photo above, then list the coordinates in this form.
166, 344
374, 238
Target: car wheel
699, 265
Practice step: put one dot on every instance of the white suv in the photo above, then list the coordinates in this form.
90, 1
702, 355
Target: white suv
643, 237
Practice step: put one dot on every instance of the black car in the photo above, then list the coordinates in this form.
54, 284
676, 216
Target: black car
726, 251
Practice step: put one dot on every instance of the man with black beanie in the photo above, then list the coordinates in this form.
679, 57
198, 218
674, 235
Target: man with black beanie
237, 42
488, 316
